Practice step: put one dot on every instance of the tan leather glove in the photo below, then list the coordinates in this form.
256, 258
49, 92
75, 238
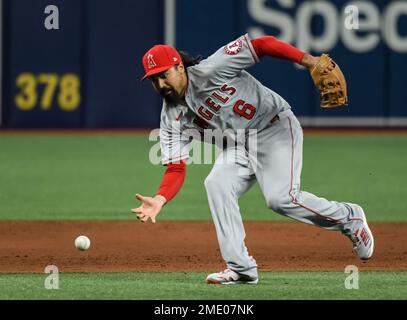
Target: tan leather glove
330, 82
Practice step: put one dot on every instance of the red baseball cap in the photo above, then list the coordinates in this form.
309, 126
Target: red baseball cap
160, 58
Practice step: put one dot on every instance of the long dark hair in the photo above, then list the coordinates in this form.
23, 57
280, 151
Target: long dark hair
189, 60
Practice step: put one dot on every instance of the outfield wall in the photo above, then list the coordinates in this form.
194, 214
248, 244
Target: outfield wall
86, 73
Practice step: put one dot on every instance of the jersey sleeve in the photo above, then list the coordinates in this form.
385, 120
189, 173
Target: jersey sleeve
271, 46
232, 58
174, 144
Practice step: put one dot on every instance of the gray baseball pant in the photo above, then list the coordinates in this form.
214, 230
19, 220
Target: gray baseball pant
276, 166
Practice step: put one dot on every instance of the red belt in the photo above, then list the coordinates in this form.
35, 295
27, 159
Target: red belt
276, 117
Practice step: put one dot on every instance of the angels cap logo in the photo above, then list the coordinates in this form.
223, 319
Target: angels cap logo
160, 58
234, 47
151, 62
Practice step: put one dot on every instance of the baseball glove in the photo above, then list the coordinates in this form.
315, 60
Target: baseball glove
330, 82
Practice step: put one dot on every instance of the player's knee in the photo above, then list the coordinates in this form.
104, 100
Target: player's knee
278, 204
212, 183
273, 203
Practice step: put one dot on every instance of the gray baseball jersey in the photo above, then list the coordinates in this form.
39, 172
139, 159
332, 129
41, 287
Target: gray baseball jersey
220, 95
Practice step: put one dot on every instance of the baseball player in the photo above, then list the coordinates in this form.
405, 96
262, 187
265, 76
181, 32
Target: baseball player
218, 93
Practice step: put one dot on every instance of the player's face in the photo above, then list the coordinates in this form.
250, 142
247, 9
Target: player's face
170, 84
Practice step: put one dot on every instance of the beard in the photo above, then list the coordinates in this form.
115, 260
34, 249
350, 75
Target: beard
170, 95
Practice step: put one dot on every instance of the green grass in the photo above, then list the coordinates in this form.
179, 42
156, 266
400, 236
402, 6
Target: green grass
96, 177
191, 286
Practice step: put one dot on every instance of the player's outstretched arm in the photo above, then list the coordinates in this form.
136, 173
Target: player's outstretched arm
150, 207
272, 47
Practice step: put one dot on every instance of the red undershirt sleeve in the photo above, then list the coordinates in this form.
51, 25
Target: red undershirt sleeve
271, 46
173, 180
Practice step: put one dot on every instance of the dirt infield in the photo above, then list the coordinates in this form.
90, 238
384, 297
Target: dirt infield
187, 246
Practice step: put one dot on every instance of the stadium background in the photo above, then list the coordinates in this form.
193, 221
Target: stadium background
101, 43
56, 184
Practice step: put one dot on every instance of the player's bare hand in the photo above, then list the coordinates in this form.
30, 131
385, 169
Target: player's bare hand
150, 207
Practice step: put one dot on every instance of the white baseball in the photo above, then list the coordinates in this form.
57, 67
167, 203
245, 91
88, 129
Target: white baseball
82, 243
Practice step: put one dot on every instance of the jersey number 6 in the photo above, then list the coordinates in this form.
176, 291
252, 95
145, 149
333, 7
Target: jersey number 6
244, 109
